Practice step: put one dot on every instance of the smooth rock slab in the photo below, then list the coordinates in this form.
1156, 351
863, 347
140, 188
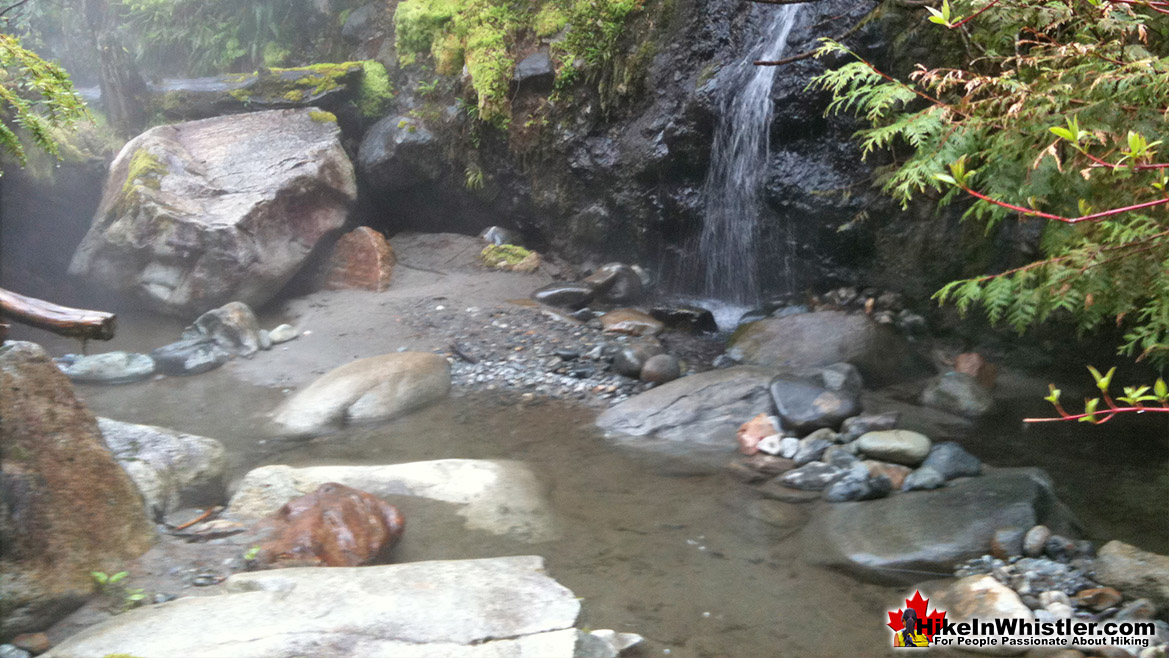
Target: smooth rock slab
703, 409
374, 388
484, 608
904, 538
502, 497
172, 470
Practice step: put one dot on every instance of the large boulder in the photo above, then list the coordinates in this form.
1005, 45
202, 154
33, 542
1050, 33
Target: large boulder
706, 408
323, 85
374, 388
67, 508
501, 497
232, 327
172, 470
398, 153
362, 259
1134, 572
909, 536
804, 408
504, 606
957, 393
814, 340
198, 214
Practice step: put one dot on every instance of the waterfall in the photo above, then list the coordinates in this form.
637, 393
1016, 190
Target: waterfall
729, 243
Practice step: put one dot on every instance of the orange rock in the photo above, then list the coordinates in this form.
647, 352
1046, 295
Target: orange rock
34, 643
973, 364
361, 259
753, 431
895, 472
335, 526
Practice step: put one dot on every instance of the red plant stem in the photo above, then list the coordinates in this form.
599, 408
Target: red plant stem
972, 16
1110, 165
1109, 413
1067, 220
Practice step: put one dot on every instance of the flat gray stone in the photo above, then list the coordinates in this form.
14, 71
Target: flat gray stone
107, 368
485, 608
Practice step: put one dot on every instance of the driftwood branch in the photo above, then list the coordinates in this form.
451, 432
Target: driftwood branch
61, 320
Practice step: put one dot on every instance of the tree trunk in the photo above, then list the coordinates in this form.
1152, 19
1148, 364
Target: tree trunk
61, 320
123, 91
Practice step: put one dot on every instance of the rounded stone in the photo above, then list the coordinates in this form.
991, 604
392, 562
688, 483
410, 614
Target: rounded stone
1035, 539
661, 368
897, 446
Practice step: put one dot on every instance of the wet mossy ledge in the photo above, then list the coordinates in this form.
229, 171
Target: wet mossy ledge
365, 85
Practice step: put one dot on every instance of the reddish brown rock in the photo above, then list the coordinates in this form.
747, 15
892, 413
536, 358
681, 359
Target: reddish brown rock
34, 643
632, 322
1099, 598
973, 364
67, 507
362, 259
753, 431
334, 526
895, 472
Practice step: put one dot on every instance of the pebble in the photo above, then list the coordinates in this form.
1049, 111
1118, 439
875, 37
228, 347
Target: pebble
1035, 539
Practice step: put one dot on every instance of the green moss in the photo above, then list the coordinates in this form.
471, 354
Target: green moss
242, 95
376, 90
275, 54
549, 20
503, 255
322, 117
448, 55
294, 95
145, 169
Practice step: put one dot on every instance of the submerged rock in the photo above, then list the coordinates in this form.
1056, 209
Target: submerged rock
107, 368
67, 508
686, 318
172, 470
499, 496
190, 357
374, 388
506, 606
198, 214
334, 526
702, 409
957, 393
810, 340
952, 461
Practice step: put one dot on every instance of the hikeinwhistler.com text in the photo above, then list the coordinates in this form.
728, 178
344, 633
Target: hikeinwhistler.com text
1023, 633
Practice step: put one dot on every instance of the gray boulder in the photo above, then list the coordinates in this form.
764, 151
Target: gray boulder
398, 153
498, 496
503, 606
616, 283
107, 368
570, 294
172, 470
374, 388
858, 484
535, 73
952, 461
924, 478
198, 214
704, 409
1134, 572
958, 393
804, 408
232, 326
813, 340
903, 538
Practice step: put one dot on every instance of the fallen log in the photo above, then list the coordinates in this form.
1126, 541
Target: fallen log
61, 320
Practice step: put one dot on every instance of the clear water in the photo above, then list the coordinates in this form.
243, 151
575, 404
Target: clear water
729, 242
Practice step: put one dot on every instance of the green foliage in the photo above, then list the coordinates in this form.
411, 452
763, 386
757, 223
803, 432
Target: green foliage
36, 98
486, 35
121, 598
1136, 399
1051, 114
376, 90
252, 553
473, 177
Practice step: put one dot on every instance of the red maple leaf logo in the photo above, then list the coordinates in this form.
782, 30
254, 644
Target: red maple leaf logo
919, 606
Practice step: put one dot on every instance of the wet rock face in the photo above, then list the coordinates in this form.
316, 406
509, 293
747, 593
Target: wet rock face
398, 153
198, 214
804, 408
334, 526
67, 507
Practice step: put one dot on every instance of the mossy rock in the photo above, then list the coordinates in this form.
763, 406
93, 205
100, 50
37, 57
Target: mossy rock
509, 257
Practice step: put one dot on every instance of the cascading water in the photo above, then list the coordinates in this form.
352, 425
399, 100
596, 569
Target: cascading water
728, 246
